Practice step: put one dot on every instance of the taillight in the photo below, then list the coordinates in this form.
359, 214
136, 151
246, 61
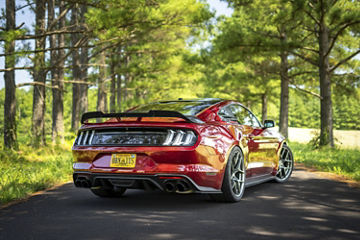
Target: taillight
136, 137
180, 138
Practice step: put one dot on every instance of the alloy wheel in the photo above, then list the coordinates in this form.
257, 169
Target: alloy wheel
237, 176
286, 164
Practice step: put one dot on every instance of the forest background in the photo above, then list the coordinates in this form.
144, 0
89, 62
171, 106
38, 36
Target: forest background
296, 62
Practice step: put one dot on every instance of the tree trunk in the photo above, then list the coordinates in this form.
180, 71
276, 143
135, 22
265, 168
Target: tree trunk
9, 77
39, 74
264, 107
284, 98
102, 97
126, 77
118, 89
57, 76
84, 68
76, 72
113, 86
326, 132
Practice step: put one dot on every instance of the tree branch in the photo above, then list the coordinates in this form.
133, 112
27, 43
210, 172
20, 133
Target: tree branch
310, 49
46, 50
60, 31
35, 84
61, 15
333, 39
76, 46
312, 17
15, 68
87, 3
344, 60
300, 73
305, 91
305, 58
24, 6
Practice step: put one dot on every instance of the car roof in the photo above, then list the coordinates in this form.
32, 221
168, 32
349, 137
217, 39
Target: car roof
205, 100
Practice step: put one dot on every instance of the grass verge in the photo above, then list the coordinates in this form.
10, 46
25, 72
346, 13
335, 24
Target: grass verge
344, 162
28, 171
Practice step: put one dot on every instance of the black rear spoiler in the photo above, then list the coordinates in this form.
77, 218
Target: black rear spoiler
152, 113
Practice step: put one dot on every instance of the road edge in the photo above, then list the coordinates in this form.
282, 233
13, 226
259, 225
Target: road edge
328, 175
17, 201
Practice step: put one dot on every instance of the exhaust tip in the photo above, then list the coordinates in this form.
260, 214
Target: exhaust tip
82, 182
169, 186
182, 186
85, 184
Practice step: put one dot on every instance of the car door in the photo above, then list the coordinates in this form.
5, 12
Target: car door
262, 146
228, 114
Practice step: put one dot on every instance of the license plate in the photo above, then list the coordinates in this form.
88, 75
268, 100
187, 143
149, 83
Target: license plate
123, 160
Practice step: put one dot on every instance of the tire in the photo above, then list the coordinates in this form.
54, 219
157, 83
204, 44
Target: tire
234, 178
286, 165
107, 192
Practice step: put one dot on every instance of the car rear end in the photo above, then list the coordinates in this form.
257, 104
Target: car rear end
142, 152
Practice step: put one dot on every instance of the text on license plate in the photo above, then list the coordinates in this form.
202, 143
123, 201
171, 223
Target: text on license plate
123, 160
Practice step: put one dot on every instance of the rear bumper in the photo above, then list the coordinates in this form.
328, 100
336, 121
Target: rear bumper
202, 165
165, 182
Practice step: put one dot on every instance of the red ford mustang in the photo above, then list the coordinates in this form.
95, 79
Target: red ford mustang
211, 146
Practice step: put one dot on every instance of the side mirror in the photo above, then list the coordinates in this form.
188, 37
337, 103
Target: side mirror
269, 124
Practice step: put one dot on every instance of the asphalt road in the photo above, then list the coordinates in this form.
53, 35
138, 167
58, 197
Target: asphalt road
306, 207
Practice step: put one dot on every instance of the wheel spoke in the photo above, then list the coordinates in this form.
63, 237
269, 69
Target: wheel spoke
286, 156
283, 152
237, 176
238, 161
238, 187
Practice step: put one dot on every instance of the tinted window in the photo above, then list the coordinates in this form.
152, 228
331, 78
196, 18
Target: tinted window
255, 121
235, 112
185, 107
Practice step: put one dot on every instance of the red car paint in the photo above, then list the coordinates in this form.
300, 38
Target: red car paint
204, 163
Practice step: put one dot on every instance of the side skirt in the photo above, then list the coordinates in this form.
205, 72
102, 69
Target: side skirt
259, 179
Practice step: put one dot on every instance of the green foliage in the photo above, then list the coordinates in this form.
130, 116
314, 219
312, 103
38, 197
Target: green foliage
27, 171
304, 110
347, 111
11, 35
151, 40
340, 161
259, 31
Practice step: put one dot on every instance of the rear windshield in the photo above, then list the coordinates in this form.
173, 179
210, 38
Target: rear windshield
189, 108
